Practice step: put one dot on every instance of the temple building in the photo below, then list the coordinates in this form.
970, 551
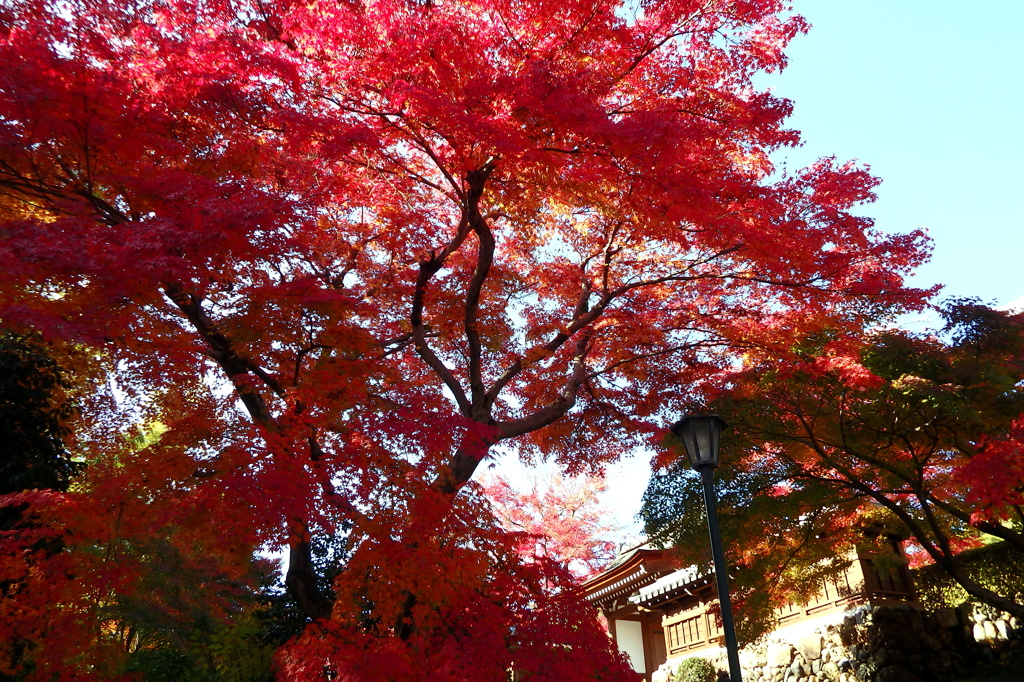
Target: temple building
658, 613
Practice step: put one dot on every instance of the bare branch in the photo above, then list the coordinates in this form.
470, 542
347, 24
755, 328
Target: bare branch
222, 351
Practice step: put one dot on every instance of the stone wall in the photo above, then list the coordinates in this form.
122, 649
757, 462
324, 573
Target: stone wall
882, 644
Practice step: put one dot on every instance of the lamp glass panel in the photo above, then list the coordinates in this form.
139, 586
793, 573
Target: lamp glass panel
703, 433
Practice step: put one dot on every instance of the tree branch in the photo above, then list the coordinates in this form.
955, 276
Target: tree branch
558, 407
485, 257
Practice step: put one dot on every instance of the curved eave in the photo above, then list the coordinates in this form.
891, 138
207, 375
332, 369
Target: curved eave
640, 568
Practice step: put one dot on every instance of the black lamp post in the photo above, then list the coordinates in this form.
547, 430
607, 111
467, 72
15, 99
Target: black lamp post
700, 435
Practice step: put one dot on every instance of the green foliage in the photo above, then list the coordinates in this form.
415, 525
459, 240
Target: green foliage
164, 665
34, 411
969, 386
184, 618
784, 559
166, 601
226, 653
926, 427
237, 654
971, 324
998, 567
694, 669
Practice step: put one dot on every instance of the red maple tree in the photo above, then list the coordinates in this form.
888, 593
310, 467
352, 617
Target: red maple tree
561, 520
341, 251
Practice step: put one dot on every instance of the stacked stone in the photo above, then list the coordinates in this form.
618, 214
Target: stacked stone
886, 644
998, 631
819, 656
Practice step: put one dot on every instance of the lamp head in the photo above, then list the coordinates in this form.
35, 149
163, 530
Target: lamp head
700, 434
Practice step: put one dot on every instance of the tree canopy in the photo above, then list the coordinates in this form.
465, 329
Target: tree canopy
898, 434
340, 251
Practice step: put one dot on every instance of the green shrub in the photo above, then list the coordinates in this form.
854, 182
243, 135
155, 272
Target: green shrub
695, 670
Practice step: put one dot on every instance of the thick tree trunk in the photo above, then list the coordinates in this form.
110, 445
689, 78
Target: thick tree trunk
301, 580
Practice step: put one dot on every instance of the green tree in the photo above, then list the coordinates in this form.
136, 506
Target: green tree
917, 435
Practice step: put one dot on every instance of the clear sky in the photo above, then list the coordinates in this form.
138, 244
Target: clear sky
929, 94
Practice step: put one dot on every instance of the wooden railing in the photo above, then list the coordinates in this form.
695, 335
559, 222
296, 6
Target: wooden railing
694, 628
697, 627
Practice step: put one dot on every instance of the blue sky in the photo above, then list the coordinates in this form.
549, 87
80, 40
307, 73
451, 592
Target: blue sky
929, 94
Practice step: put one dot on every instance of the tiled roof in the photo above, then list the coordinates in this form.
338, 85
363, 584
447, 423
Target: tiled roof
672, 585
630, 571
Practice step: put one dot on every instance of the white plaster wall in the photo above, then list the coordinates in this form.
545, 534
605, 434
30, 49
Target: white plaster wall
630, 638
